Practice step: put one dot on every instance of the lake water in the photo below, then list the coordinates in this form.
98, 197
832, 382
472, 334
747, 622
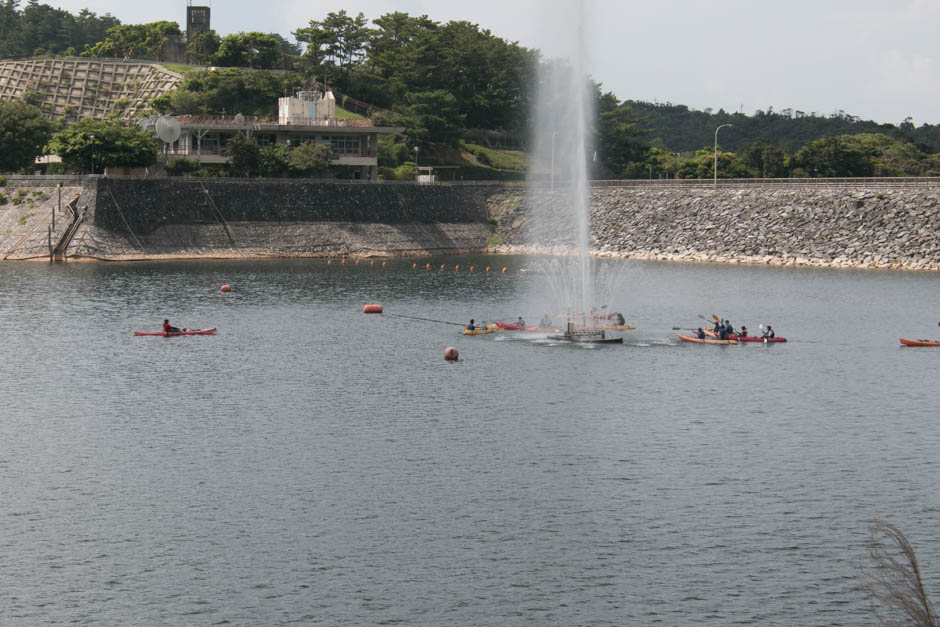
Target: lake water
311, 464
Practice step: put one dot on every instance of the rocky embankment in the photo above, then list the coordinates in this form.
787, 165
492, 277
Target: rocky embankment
848, 227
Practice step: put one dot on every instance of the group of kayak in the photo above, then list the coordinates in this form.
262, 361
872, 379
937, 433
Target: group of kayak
610, 322
723, 332
518, 325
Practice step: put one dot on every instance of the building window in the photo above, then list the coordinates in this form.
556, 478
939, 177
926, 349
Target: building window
346, 145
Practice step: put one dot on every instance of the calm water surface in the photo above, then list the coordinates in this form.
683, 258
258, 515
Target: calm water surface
311, 464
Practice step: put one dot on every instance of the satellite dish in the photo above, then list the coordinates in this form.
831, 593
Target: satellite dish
239, 119
148, 123
168, 129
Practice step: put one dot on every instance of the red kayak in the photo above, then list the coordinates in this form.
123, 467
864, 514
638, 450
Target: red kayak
509, 326
920, 342
749, 338
175, 333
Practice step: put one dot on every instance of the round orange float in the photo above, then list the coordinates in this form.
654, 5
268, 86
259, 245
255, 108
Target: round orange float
450, 353
225, 288
372, 309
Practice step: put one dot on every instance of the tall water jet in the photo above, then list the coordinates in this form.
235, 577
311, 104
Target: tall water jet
558, 177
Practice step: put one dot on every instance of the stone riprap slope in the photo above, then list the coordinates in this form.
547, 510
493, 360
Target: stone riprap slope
26, 219
838, 227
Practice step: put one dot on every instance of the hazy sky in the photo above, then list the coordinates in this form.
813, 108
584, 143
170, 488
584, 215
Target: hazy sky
877, 59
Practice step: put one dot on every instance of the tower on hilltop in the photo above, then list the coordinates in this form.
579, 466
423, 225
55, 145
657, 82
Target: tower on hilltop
197, 21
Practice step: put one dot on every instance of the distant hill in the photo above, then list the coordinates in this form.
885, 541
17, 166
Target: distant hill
682, 129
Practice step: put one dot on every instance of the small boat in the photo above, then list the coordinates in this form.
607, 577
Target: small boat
175, 333
707, 340
920, 342
510, 326
481, 330
748, 338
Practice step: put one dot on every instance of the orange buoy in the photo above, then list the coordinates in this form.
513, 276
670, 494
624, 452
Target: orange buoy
442, 267
383, 264
329, 260
471, 268
225, 288
357, 263
376, 308
343, 262
487, 268
427, 266
371, 264
457, 268
450, 353
504, 269
414, 265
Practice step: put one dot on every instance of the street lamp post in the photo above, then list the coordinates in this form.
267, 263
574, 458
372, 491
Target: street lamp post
553, 162
416, 165
716, 150
92, 138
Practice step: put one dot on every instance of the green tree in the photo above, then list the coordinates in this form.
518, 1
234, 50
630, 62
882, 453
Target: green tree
107, 143
310, 159
764, 160
316, 40
123, 41
23, 134
136, 40
253, 50
428, 117
834, 157
243, 155
273, 160
616, 135
202, 47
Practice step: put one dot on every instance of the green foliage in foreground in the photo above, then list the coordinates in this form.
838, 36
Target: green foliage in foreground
106, 143
24, 132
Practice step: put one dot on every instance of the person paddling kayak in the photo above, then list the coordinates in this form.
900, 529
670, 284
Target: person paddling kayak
769, 333
168, 328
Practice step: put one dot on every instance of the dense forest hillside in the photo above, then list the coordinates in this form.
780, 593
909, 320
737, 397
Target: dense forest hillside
681, 128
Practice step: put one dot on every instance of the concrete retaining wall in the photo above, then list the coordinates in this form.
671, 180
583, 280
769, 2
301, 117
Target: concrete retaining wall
162, 218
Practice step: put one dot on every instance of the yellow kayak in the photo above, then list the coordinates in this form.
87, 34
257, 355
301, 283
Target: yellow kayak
482, 330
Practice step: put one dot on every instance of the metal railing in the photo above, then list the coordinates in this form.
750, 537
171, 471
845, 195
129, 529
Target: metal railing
861, 182
882, 181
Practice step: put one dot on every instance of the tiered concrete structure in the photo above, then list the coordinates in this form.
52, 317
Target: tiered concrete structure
72, 89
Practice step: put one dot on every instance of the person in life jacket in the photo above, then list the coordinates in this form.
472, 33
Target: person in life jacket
168, 327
